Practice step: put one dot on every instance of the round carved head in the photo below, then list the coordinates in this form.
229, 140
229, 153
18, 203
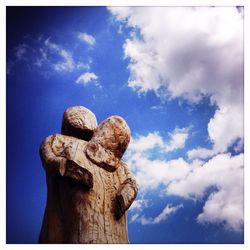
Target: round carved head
109, 142
78, 122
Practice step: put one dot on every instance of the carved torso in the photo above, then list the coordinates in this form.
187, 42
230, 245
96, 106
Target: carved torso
74, 212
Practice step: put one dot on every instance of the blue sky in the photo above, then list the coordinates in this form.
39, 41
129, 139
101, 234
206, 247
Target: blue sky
179, 86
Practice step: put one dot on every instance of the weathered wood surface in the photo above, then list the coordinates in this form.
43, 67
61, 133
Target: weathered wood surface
89, 187
79, 122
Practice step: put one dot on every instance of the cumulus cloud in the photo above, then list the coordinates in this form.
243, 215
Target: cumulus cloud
224, 129
225, 172
223, 207
207, 175
202, 55
201, 153
190, 180
87, 38
226, 126
151, 173
189, 58
143, 143
177, 140
86, 78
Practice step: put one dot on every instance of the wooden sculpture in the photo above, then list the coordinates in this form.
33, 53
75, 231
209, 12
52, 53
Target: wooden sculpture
89, 187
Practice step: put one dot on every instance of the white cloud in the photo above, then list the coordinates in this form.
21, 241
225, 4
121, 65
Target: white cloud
201, 153
225, 173
140, 204
143, 143
201, 56
166, 212
86, 78
184, 56
177, 140
224, 207
66, 63
190, 180
87, 38
134, 217
226, 127
46, 55
151, 173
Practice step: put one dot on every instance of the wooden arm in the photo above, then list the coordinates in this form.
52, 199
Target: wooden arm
126, 193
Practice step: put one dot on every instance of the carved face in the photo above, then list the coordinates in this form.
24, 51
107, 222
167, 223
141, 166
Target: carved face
109, 142
79, 122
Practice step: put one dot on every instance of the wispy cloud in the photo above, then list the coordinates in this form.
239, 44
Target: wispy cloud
87, 38
140, 204
166, 212
20, 51
86, 78
159, 107
67, 62
49, 56
42, 58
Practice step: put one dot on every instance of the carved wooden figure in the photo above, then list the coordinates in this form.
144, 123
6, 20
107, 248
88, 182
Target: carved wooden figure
89, 187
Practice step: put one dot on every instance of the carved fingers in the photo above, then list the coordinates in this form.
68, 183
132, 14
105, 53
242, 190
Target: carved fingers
72, 170
125, 196
119, 206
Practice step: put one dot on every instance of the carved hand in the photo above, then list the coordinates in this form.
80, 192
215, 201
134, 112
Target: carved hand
125, 197
119, 206
72, 170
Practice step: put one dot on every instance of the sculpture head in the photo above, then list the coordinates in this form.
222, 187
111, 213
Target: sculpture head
109, 142
78, 122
